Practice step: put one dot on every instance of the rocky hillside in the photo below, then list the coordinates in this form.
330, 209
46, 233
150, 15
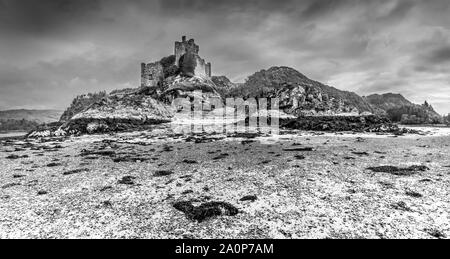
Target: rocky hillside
130, 109
388, 101
399, 109
223, 85
300, 95
125, 110
81, 103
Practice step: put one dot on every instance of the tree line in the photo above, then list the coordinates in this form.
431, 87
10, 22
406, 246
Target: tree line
15, 125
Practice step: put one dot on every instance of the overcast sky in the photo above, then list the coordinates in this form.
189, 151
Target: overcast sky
53, 50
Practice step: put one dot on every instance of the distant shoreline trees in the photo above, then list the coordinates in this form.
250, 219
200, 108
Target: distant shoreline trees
447, 119
17, 125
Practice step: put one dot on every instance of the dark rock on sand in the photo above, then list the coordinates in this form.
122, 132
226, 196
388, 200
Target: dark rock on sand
401, 206
206, 210
436, 233
162, 173
107, 204
132, 159
361, 153
76, 171
54, 164
251, 198
108, 153
186, 161
399, 171
14, 157
300, 157
221, 156
300, 149
414, 194
9, 185
202, 139
127, 180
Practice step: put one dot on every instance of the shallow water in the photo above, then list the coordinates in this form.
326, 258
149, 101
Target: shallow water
12, 134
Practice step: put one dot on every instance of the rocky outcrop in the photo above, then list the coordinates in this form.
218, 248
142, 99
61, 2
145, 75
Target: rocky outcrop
81, 103
121, 111
223, 85
369, 123
185, 87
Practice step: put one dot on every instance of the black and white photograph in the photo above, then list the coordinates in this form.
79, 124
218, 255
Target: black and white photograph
260, 120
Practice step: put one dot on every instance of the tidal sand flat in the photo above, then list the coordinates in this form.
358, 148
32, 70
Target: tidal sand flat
154, 184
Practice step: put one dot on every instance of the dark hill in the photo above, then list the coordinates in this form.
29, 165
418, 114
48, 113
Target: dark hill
300, 95
399, 109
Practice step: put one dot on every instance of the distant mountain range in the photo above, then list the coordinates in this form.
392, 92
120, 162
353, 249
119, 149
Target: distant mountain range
39, 116
24, 120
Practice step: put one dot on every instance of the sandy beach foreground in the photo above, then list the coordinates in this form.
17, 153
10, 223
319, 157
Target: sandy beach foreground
295, 185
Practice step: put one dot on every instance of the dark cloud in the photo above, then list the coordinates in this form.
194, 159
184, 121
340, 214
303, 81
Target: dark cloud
223, 6
44, 16
322, 7
51, 50
441, 55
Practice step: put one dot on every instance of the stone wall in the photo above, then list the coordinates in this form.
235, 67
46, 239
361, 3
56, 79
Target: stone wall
151, 74
200, 70
208, 69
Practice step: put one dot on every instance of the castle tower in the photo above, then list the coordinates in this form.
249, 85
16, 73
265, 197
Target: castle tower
152, 74
184, 47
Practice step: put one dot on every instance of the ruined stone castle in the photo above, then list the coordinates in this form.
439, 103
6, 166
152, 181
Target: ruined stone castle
187, 60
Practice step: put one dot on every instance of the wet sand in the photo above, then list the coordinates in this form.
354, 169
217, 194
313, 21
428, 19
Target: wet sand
307, 185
